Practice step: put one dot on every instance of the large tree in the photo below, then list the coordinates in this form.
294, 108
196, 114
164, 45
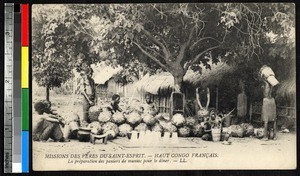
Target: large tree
176, 37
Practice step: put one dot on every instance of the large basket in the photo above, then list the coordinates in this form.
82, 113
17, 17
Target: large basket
216, 134
268, 74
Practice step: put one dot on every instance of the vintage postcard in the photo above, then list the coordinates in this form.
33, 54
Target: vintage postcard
190, 86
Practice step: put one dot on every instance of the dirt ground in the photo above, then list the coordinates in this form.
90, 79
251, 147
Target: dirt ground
243, 153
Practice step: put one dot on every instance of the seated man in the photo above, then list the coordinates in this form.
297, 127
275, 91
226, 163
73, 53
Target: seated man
114, 105
47, 125
149, 107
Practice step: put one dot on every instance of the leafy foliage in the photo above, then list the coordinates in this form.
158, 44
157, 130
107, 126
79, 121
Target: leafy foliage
160, 37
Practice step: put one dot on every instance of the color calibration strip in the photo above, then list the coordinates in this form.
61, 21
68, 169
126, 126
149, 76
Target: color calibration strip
25, 83
17, 94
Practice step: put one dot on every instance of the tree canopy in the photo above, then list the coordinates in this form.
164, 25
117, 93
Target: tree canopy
171, 37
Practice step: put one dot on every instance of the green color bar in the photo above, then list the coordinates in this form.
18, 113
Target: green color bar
25, 109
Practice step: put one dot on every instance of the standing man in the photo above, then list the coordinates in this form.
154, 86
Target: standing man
88, 92
268, 113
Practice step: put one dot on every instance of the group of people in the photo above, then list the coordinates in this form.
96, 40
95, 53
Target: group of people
51, 125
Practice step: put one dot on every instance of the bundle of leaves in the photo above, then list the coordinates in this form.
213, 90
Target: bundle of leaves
105, 116
178, 120
184, 131
124, 129
236, 131
198, 130
190, 121
111, 126
96, 127
94, 112
157, 127
141, 127
149, 119
259, 132
163, 116
169, 127
118, 118
133, 118
248, 129
84, 124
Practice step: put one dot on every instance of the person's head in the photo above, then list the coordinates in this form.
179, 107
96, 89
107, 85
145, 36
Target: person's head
148, 99
116, 98
47, 103
41, 107
86, 72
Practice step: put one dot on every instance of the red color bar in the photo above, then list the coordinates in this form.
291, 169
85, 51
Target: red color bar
24, 23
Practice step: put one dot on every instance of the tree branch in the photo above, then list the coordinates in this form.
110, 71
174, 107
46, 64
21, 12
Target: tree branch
151, 57
204, 38
155, 52
184, 46
205, 51
163, 47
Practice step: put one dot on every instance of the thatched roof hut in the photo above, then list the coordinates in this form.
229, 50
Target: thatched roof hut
211, 76
164, 82
104, 73
287, 88
153, 84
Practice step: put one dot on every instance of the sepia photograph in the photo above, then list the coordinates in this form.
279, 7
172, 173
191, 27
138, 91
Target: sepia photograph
163, 86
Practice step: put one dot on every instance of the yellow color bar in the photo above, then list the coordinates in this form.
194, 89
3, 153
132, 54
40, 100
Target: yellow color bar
24, 65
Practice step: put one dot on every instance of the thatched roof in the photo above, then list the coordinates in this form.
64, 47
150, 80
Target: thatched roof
165, 80
287, 88
209, 76
104, 73
153, 83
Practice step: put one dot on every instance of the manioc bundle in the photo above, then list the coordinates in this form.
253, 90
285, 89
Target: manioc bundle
184, 131
94, 112
168, 126
105, 116
163, 116
118, 118
96, 127
111, 126
149, 119
133, 118
198, 130
157, 128
248, 129
236, 131
124, 129
178, 120
190, 121
141, 127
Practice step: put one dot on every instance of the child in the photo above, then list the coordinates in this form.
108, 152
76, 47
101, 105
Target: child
47, 126
114, 106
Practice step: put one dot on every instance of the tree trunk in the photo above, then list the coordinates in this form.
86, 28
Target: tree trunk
178, 73
178, 80
47, 93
